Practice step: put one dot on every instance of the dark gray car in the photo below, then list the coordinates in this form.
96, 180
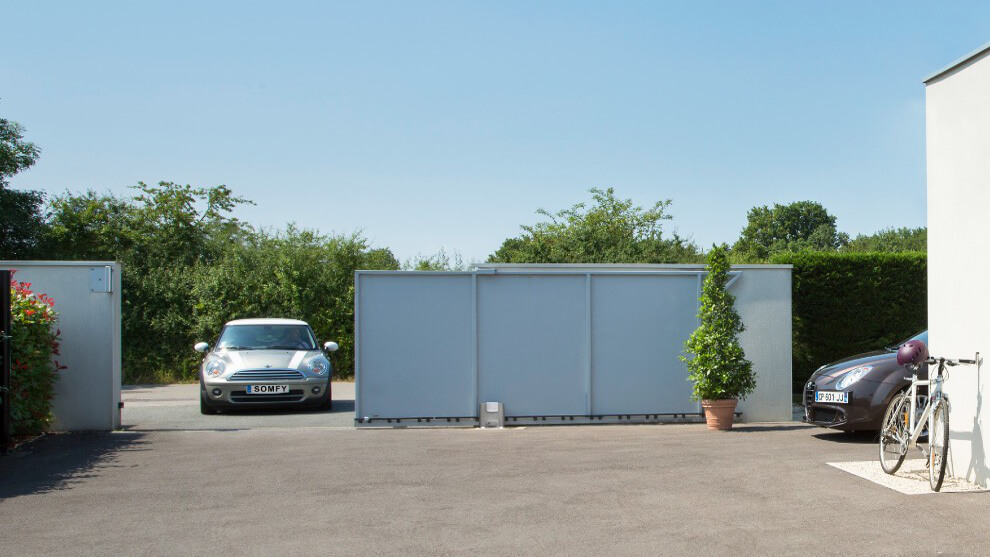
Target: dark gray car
853, 393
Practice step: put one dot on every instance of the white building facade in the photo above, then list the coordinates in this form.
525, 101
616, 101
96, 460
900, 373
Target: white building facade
958, 155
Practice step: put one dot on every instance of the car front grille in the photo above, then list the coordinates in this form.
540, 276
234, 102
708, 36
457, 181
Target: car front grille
266, 375
826, 415
820, 415
242, 396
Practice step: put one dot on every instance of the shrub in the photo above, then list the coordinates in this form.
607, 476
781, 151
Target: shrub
297, 274
33, 369
848, 303
719, 368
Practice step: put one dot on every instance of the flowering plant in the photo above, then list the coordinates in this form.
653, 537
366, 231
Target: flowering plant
34, 369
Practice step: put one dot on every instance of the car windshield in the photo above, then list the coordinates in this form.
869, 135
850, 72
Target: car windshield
267, 337
922, 336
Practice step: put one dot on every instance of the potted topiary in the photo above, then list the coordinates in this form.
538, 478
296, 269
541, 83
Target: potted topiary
716, 362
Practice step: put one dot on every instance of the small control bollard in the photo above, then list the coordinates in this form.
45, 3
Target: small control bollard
492, 415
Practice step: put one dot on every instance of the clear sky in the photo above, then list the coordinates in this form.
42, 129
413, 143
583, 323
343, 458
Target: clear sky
447, 124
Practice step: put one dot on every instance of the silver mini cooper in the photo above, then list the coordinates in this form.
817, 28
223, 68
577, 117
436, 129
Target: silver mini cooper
264, 362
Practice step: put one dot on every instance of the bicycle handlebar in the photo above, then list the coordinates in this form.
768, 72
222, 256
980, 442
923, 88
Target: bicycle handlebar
948, 361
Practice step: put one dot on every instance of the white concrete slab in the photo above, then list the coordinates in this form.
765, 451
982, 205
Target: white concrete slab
910, 479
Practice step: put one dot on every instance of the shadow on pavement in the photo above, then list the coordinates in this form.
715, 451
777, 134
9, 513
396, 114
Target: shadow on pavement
743, 428
858, 437
56, 462
339, 407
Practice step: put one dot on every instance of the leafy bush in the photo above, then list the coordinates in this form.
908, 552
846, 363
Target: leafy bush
612, 230
33, 369
846, 304
188, 267
719, 368
295, 274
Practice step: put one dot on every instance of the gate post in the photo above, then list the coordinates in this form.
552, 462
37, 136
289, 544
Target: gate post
5, 321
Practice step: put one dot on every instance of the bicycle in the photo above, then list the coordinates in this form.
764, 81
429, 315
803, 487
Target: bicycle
902, 427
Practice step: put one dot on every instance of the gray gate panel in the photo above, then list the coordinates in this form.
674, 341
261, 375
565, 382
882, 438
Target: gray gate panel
416, 348
532, 351
638, 325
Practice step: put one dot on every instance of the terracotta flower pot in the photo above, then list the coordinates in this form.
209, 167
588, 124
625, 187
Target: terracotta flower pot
719, 413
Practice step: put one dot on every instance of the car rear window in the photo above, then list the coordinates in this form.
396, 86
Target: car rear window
267, 337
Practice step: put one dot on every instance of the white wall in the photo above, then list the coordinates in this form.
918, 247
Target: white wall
958, 143
88, 391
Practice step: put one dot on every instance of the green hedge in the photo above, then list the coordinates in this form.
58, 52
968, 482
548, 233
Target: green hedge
848, 303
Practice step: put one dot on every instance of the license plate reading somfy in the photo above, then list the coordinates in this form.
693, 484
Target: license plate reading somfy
834, 397
267, 389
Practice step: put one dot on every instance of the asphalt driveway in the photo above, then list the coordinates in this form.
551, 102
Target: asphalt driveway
570, 490
176, 407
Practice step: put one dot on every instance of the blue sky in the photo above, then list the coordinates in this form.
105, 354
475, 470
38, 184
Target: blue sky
447, 124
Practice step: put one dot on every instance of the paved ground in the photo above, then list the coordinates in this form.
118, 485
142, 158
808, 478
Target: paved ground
566, 490
176, 407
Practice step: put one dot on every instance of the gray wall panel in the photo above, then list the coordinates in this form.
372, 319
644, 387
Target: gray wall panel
556, 340
416, 346
87, 393
639, 325
532, 343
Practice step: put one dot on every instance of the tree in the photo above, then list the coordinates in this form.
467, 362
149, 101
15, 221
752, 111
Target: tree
293, 273
718, 368
190, 266
22, 220
798, 226
612, 230
15, 153
890, 240
159, 236
439, 261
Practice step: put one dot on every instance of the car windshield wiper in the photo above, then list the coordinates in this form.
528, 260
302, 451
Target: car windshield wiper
239, 348
288, 348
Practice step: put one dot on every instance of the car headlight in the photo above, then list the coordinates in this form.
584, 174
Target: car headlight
851, 376
319, 366
214, 368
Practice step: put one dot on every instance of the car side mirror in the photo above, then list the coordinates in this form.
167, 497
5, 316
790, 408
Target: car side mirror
331, 346
201, 347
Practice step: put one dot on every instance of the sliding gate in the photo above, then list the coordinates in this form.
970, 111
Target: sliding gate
552, 346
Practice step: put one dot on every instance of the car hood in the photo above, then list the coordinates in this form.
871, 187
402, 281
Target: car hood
265, 359
874, 358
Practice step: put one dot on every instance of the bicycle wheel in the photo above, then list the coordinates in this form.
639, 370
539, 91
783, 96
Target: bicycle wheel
938, 444
894, 433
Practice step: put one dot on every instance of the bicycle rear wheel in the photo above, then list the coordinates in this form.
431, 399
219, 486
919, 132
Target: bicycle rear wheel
938, 444
894, 433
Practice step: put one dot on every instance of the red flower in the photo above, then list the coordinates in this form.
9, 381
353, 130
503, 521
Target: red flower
29, 312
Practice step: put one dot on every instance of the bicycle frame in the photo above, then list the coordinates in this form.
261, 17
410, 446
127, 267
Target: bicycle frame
916, 423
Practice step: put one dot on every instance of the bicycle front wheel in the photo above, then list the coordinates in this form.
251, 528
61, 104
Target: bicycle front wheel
938, 444
894, 433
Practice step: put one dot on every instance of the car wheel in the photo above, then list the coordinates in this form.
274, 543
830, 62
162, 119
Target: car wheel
205, 407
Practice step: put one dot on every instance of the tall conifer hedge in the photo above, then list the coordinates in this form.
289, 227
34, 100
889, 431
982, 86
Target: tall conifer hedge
848, 303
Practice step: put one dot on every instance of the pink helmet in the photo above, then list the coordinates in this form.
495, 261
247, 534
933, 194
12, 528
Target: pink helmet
912, 352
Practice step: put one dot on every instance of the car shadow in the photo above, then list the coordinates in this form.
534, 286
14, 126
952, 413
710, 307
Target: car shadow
855, 437
744, 428
339, 407
58, 462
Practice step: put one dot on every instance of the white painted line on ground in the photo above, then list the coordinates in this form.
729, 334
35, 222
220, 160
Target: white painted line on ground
910, 479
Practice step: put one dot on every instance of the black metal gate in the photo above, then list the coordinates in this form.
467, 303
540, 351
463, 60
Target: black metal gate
5, 321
